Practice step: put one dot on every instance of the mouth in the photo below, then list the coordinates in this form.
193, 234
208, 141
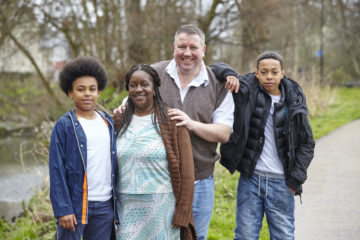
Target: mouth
137, 97
187, 60
87, 101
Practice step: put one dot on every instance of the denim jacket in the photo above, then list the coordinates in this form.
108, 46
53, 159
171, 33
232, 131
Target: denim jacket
68, 167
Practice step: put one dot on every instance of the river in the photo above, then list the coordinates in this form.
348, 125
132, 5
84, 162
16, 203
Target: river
22, 171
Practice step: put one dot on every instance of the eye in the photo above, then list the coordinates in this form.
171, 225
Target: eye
193, 48
145, 84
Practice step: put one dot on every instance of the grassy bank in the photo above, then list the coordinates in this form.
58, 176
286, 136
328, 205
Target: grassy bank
38, 222
344, 107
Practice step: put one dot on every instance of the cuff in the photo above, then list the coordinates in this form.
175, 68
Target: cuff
294, 184
180, 217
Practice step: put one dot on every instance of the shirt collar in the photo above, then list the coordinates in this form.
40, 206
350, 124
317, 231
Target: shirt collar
202, 77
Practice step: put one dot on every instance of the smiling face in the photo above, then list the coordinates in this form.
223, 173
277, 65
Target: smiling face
188, 53
269, 74
141, 92
84, 93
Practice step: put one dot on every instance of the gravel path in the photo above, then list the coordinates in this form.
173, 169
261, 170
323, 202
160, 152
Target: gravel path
331, 196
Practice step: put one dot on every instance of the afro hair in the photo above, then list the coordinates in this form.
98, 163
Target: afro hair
80, 67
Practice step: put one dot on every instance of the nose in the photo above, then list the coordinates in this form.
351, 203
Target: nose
138, 88
187, 51
269, 75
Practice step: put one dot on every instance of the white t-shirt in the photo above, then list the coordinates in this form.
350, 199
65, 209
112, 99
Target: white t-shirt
269, 160
98, 158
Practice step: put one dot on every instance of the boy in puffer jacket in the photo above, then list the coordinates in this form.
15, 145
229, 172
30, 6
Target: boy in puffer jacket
271, 146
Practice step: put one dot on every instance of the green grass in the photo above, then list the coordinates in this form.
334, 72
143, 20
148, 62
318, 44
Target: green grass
346, 108
38, 221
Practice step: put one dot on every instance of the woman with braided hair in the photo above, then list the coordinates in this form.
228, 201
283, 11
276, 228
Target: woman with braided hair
155, 165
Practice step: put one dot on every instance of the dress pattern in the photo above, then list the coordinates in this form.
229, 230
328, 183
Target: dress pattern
146, 201
146, 216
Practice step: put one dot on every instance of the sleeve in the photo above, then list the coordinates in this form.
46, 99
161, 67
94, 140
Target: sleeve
124, 101
224, 114
59, 194
222, 70
304, 153
183, 211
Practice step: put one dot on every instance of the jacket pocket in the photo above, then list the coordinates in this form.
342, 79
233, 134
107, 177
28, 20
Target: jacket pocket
227, 151
73, 180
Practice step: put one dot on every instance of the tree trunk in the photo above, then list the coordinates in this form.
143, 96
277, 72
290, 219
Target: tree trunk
41, 76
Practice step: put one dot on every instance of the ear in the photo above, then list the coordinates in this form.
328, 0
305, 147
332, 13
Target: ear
257, 73
204, 49
282, 73
70, 93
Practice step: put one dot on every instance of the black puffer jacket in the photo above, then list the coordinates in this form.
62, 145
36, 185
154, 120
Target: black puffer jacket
256, 136
298, 134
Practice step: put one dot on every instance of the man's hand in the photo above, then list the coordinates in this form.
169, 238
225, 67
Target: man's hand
211, 132
68, 222
232, 84
185, 120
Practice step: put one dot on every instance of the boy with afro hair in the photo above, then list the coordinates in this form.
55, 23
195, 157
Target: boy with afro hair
82, 157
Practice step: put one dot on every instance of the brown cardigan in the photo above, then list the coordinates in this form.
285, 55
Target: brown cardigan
181, 167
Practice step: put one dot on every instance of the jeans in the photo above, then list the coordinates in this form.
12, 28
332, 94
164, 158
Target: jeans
264, 193
99, 226
203, 205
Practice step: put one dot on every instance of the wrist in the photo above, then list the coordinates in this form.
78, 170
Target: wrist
191, 125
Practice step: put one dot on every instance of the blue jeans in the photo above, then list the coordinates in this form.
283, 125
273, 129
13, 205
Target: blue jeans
203, 205
264, 193
99, 226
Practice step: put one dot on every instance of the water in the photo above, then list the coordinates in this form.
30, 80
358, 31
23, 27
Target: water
22, 171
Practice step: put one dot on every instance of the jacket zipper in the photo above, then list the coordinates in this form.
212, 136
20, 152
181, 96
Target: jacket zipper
83, 162
112, 167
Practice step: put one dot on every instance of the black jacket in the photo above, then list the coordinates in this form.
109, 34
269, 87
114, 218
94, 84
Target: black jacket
298, 134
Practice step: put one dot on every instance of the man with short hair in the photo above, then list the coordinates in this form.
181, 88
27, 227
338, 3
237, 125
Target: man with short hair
202, 104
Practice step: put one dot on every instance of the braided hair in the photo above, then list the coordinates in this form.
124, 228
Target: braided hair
160, 109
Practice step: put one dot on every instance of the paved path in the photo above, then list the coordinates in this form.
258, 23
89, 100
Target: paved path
331, 197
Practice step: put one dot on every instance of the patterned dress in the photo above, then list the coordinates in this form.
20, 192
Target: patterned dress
146, 202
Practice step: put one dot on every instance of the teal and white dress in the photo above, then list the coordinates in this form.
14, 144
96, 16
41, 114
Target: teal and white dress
146, 202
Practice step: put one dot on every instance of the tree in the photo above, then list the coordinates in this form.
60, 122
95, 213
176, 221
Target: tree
14, 16
344, 37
